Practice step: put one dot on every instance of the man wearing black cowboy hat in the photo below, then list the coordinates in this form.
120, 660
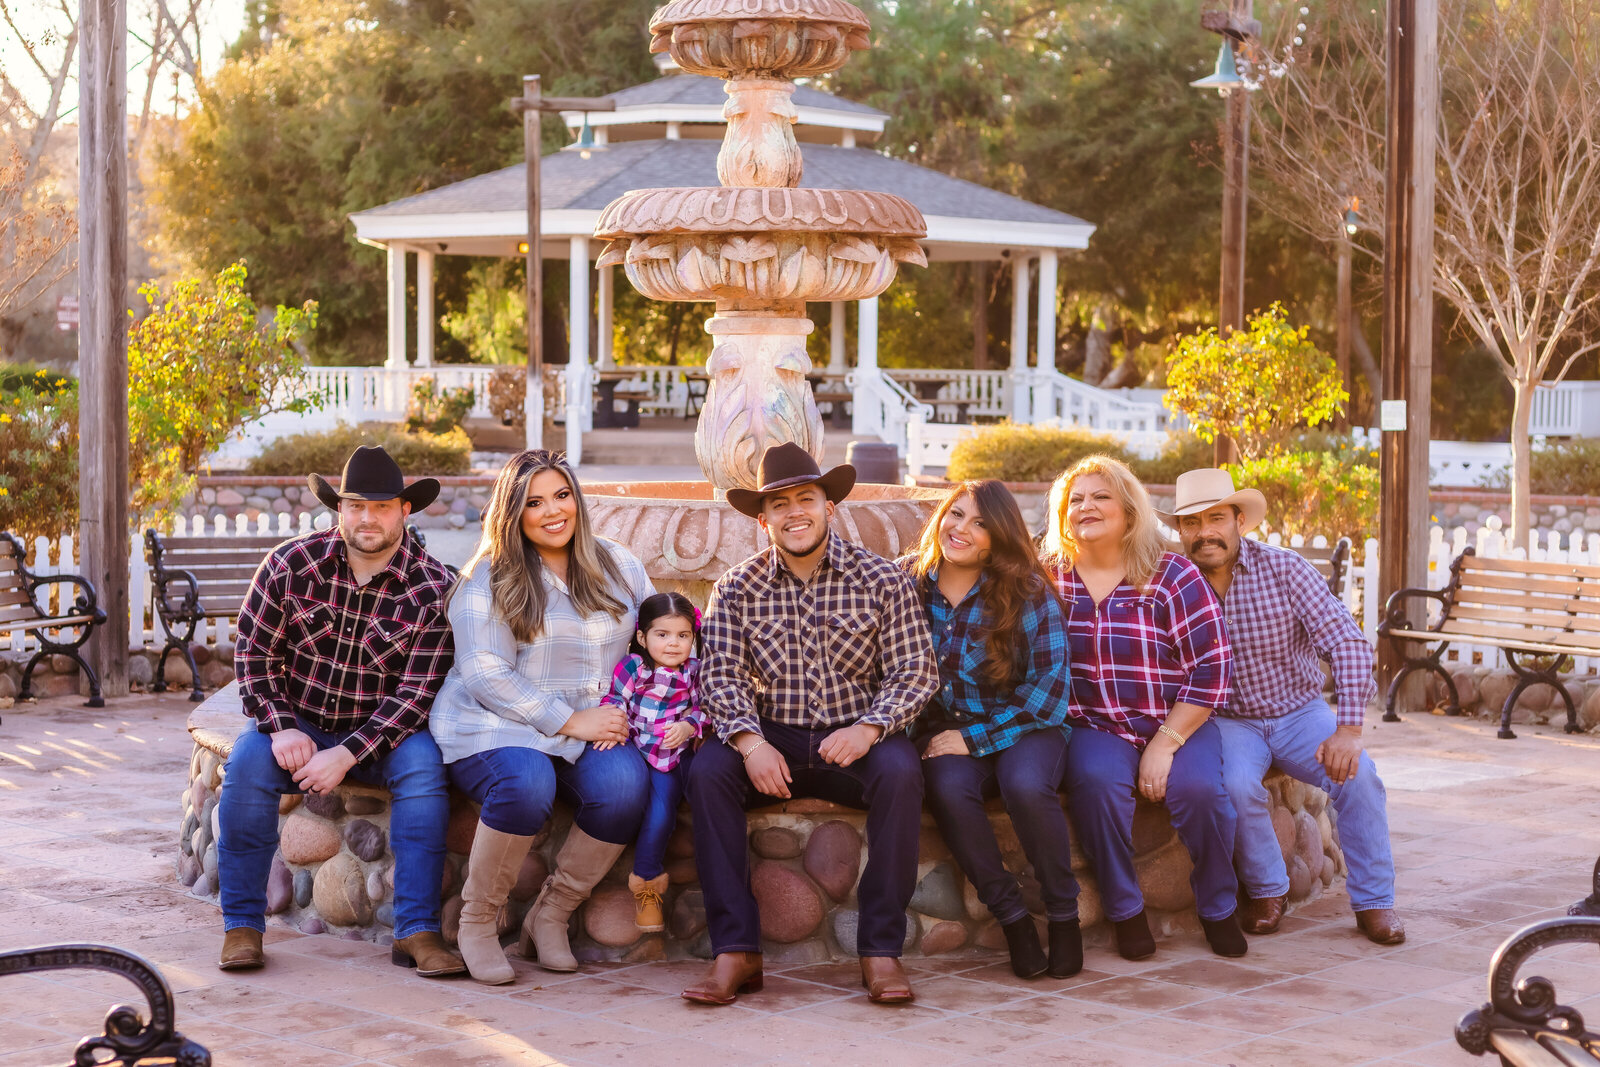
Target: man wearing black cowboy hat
817, 655
342, 646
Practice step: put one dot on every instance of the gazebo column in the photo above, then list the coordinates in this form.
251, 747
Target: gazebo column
1021, 395
425, 320
397, 308
578, 391
866, 363
605, 358
836, 352
1045, 360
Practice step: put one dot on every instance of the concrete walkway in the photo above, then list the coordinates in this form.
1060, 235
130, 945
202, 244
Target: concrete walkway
1489, 835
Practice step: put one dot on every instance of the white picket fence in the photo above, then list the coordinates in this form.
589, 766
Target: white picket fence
1360, 579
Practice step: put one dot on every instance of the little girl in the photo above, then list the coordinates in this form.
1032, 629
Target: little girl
658, 686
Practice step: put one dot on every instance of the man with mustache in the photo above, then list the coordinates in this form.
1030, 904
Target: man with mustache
342, 646
817, 656
1282, 622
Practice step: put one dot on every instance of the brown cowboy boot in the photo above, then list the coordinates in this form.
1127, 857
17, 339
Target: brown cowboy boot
1262, 914
731, 973
885, 980
580, 865
491, 869
241, 950
427, 952
1382, 926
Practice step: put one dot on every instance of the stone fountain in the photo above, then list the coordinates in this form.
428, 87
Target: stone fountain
761, 247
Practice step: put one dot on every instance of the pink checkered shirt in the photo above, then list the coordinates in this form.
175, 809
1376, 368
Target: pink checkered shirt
1283, 622
1138, 652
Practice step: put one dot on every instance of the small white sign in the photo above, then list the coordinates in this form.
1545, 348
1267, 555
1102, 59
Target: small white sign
1392, 415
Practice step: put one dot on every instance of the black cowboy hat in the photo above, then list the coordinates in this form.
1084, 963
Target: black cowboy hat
372, 474
788, 465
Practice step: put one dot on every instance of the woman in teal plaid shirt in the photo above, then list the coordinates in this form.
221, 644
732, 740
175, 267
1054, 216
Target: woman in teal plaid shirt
997, 725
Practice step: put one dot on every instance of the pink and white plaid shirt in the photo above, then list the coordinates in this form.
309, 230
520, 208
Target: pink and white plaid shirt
1282, 621
1138, 652
655, 698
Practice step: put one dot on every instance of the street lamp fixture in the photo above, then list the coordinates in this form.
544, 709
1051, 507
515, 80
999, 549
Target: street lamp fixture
1225, 78
1352, 217
585, 145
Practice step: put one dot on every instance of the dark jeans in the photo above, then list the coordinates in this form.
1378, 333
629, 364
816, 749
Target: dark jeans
247, 819
517, 788
1027, 776
1102, 772
660, 816
886, 782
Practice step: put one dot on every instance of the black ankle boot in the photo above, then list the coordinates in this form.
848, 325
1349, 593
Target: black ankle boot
1134, 940
1027, 955
1066, 948
1225, 937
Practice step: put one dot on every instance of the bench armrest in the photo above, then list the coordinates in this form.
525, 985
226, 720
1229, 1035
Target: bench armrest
163, 576
87, 602
1394, 612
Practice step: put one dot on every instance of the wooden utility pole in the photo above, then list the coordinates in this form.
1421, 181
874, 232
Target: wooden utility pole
532, 105
1413, 114
103, 329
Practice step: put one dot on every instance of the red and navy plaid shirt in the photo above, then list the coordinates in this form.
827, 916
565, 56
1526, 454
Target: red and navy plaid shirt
1140, 651
1282, 620
365, 661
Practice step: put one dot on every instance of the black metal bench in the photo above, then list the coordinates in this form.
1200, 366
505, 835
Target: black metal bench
1538, 614
128, 1038
1332, 562
21, 612
1522, 1022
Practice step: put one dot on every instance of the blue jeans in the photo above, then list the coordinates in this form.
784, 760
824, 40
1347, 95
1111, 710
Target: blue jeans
517, 787
1027, 775
887, 782
248, 825
660, 817
1289, 742
1102, 771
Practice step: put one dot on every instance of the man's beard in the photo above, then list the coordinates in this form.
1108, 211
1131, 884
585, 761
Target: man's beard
812, 547
349, 537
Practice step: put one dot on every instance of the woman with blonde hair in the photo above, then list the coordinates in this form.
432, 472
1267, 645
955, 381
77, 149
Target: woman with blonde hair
1149, 667
997, 725
541, 615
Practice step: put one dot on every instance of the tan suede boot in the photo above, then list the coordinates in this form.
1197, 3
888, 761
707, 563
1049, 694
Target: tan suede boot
580, 865
647, 894
491, 870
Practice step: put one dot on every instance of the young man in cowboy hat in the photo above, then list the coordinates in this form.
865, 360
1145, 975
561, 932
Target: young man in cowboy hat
817, 656
1282, 621
342, 646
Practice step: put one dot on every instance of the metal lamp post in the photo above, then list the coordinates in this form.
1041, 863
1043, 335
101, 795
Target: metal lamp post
532, 105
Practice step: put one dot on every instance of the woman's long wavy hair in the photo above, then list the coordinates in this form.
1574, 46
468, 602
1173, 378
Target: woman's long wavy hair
516, 573
1142, 544
1011, 567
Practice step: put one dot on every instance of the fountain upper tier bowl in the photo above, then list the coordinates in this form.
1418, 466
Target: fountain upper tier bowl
777, 38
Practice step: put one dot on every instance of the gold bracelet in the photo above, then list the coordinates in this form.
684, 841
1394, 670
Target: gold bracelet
752, 750
1170, 732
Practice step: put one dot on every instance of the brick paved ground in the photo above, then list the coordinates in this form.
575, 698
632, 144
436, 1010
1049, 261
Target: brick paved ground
1489, 835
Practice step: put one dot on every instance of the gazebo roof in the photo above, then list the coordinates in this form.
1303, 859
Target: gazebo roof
696, 98
486, 215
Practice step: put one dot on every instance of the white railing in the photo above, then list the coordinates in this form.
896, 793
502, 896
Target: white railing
1567, 409
1458, 464
882, 407
976, 392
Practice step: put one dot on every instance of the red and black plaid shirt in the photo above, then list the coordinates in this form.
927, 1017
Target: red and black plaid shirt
362, 660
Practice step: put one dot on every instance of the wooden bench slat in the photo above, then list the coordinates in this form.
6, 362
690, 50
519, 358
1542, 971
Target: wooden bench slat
14, 595
1487, 564
1537, 602
9, 563
36, 623
1540, 620
188, 559
1498, 639
222, 544
1522, 1049
1553, 586
1476, 631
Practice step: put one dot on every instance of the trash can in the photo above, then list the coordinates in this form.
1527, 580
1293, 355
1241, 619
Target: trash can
874, 461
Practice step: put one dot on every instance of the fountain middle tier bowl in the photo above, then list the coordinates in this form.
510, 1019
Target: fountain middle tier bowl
778, 38
751, 247
684, 534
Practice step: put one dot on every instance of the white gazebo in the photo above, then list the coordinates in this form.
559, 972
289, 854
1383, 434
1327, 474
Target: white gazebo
667, 133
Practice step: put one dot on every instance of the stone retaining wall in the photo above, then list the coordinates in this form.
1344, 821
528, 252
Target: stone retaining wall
334, 872
59, 676
461, 498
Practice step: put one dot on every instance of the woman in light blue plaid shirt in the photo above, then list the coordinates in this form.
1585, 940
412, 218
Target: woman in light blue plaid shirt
541, 615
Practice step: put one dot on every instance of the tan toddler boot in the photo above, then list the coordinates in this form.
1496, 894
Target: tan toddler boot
647, 895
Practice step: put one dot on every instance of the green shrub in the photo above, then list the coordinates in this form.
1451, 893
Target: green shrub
41, 379
1017, 453
1571, 468
39, 460
1309, 493
437, 410
325, 451
1182, 452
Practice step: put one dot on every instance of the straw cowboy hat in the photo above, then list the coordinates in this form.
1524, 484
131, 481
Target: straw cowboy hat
786, 466
1201, 490
372, 474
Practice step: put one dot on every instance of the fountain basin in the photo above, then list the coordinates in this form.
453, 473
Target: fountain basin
783, 38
